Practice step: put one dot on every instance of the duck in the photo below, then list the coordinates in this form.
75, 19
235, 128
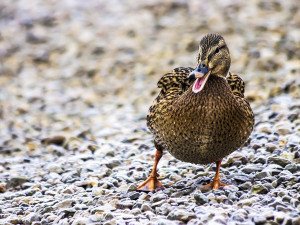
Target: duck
201, 114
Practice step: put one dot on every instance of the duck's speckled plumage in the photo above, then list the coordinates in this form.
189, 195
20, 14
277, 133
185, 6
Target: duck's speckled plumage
202, 127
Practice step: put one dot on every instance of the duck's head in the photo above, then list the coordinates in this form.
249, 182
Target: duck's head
213, 60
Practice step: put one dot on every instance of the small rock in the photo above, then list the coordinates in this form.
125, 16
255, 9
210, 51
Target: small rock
134, 195
248, 202
67, 212
284, 130
261, 160
68, 203
158, 204
30, 218
273, 169
261, 175
108, 216
113, 163
131, 187
16, 181
164, 209
81, 221
293, 168
200, 199
230, 188
279, 161
259, 219
136, 211
241, 178
181, 215
251, 169
125, 204
145, 207
264, 128
270, 147
245, 186
158, 197
2, 188
55, 140
296, 221
259, 189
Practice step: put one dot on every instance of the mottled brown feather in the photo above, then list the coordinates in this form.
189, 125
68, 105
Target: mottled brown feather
202, 127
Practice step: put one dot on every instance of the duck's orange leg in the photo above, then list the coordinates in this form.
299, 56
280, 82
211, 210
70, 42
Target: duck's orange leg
152, 183
216, 183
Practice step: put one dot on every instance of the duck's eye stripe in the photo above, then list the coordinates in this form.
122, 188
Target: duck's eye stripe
211, 54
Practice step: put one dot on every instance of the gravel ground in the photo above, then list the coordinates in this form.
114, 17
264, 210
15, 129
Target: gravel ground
77, 78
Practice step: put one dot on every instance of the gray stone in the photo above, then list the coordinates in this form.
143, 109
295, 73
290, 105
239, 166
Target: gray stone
16, 181
284, 130
181, 215
108, 216
125, 204
136, 211
164, 209
113, 163
264, 128
296, 221
146, 207
273, 169
200, 199
293, 168
260, 160
270, 147
261, 175
279, 161
132, 187
259, 189
65, 204
30, 218
259, 219
158, 204
158, 197
134, 195
251, 169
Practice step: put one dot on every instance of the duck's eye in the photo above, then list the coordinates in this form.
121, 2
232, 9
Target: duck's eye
217, 50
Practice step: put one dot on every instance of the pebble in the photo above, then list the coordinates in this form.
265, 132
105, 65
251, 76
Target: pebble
261, 175
259, 219
270, 147
201, 199
259, 189
146, 207
251, 169
181, 215
278, 160
16, 181
264, 128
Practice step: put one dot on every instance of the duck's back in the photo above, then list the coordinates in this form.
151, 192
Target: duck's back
200, 127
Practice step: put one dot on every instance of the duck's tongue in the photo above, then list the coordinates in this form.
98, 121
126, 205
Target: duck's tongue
200, 83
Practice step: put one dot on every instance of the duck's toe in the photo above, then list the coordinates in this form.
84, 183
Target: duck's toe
151, 184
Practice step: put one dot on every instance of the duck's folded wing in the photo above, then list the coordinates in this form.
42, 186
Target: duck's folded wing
237, 86
176, 81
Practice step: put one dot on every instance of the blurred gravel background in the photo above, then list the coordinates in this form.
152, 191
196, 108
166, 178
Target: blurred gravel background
77, 78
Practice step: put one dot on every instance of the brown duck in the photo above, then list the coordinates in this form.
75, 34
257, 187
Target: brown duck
200, 116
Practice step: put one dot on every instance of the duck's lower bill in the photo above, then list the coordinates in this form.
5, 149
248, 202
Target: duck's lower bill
200, 83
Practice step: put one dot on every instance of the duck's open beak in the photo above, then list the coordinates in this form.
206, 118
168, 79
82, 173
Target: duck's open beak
201, 73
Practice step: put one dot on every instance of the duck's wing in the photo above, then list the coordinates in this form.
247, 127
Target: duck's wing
237, 86
176, 82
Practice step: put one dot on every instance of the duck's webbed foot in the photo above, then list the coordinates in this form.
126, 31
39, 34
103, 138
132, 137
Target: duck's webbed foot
152, 183
216, 183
